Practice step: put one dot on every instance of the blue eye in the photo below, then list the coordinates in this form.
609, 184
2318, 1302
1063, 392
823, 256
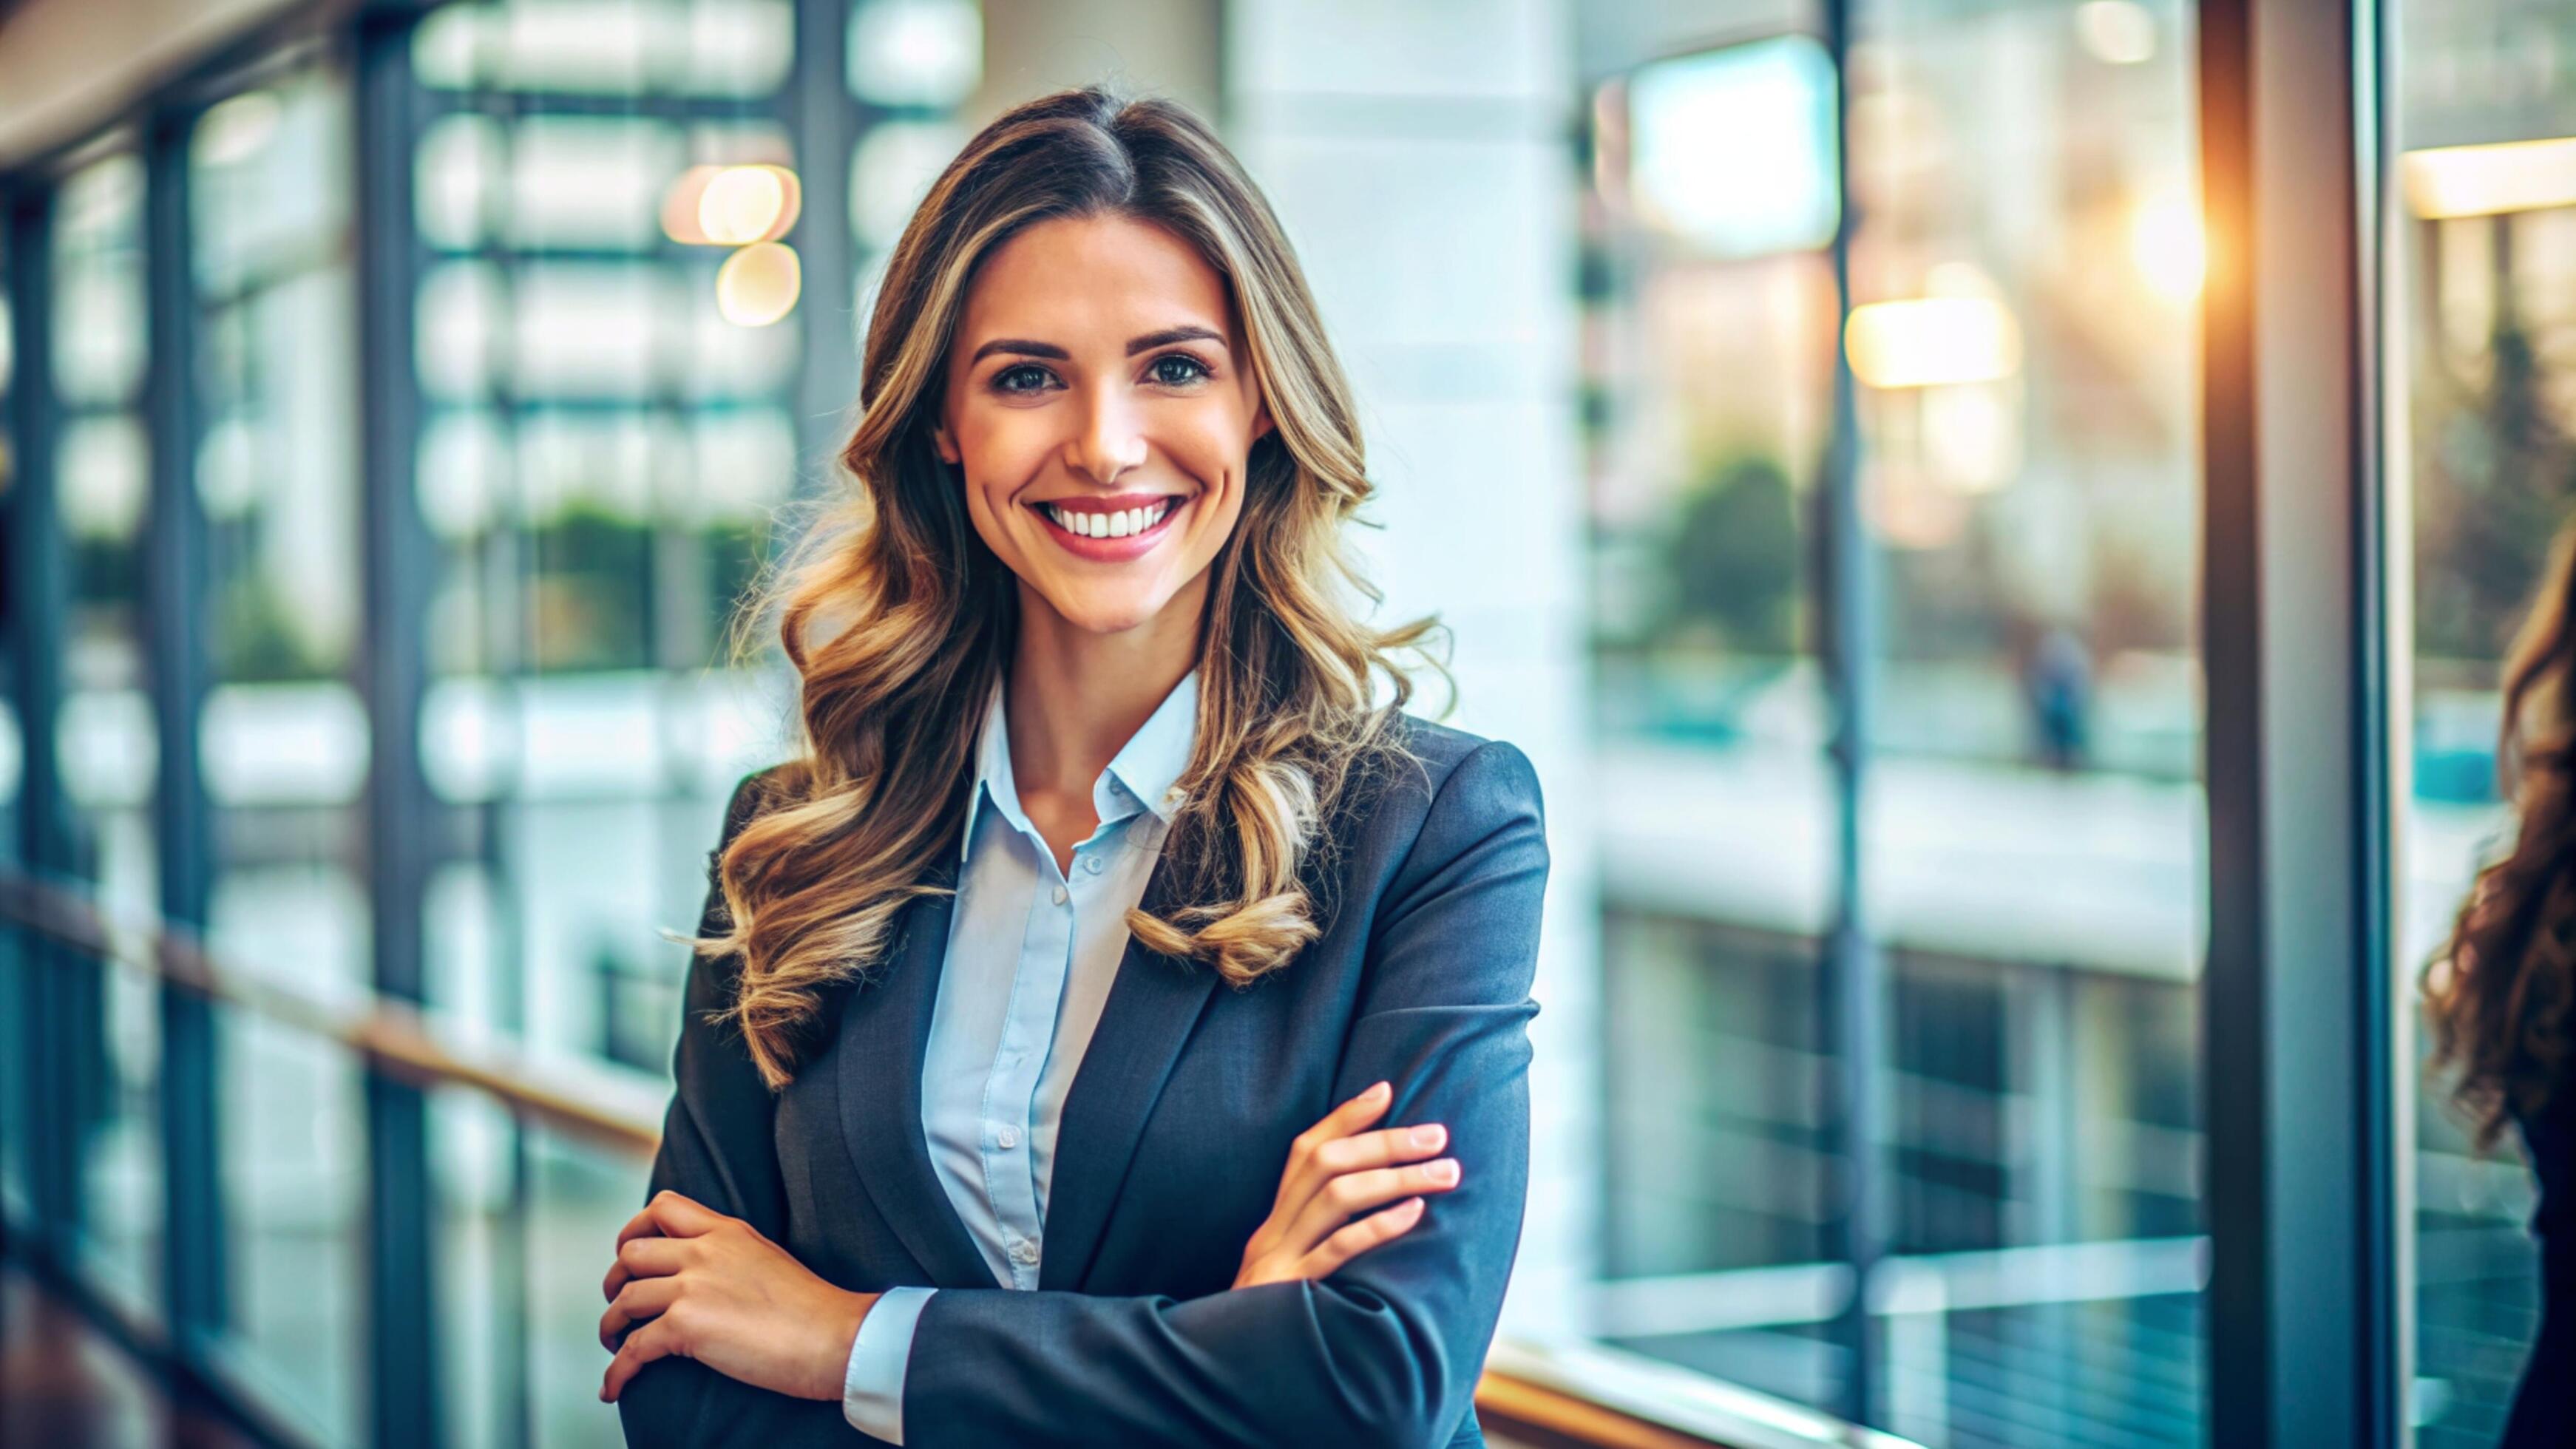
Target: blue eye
1002, 381
1194, 369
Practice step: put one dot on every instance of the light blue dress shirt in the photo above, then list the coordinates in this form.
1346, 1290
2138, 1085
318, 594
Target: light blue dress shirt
1032, 952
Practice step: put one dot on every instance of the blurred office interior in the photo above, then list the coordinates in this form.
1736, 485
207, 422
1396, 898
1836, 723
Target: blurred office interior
1991, 872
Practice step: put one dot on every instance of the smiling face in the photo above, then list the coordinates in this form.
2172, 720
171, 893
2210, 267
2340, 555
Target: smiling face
1102, 407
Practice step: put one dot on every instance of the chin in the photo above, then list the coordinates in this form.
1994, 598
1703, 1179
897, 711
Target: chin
1110, 615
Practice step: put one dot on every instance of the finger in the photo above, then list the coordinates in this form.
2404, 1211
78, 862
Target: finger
1356, 1238
1382, 1148
1353, 1193
640, 1300
1355, 1113
683, 1217
643, 1258
656, 1339
641, 1225
1357, 1153
1301, 1178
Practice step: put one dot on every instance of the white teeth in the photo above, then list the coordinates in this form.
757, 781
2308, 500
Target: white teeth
1109, 525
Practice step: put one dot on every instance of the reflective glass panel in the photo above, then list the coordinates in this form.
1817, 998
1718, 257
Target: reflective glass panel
2480, 455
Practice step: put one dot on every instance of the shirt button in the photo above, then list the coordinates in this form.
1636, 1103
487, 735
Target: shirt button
1008, 1136
1059, 895
1092, 865
1024, 1252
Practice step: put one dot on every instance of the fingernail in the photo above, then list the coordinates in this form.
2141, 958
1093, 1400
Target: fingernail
1375, 1092
1429, 1134
1444, 1171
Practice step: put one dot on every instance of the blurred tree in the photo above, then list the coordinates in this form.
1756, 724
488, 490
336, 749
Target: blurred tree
2499, 471
591, 602
1734, 559
256, 641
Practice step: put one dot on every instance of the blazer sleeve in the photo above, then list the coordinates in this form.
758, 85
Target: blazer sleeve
719, 1147
1387, 1351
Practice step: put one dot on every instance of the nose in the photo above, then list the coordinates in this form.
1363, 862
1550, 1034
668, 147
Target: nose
1109, 442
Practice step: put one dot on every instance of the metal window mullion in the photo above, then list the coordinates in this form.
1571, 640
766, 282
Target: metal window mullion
2297, 1077
403, 1344
824, 121
1853, 979
39, 576
181, 673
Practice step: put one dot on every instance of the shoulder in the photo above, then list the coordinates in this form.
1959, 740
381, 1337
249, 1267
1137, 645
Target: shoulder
1455, 788
1460, 768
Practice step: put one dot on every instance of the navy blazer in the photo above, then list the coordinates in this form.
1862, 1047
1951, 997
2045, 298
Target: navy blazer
1173, 1139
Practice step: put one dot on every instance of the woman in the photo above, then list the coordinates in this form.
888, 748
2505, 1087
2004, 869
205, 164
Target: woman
967, 1146
2499, 994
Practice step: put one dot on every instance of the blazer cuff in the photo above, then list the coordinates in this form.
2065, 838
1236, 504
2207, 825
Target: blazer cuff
872, 1386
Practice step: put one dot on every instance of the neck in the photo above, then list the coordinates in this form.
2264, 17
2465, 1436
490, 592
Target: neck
1076, 696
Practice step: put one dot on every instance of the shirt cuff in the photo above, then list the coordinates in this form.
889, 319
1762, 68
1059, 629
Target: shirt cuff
872, 1386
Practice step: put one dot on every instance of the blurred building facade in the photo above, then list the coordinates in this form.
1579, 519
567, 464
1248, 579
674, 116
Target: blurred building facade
396, 400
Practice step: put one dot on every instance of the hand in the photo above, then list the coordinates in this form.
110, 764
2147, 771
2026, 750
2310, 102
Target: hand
691, 1282
1335, 1170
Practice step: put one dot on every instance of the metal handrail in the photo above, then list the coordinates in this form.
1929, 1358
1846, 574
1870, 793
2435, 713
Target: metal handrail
394, 1037
1538, 1399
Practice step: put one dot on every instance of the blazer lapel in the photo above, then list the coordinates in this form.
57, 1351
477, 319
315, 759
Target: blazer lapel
1152, 1006
885, 1029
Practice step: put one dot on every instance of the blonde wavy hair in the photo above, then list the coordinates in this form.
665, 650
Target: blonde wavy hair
899, 619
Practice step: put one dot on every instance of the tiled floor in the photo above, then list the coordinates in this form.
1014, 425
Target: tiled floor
65, 1385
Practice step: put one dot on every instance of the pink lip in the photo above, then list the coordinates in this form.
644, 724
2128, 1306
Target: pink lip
1113, 550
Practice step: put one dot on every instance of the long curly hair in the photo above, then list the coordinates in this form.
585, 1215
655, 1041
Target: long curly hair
899, 619
2497, 995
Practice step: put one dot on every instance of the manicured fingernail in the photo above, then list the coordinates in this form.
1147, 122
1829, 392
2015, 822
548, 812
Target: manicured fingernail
1430, 1134
1445, 1170
1375, 1092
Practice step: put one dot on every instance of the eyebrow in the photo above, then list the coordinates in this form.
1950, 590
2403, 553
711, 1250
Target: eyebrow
1022, 347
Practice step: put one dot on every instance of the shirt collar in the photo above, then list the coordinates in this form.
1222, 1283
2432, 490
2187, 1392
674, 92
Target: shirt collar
1146, 768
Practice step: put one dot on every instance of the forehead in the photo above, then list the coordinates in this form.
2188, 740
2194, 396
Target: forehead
1113, 275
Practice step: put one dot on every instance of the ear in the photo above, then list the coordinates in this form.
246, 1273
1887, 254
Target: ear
946, 445
1260, 421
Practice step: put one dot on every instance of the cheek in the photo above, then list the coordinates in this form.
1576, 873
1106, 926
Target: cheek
1219, 448
1000, 458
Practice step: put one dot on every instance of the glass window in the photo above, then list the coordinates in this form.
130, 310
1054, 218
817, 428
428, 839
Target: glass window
104, 740
2023, 281
2481, 454
282, 739
2019, 864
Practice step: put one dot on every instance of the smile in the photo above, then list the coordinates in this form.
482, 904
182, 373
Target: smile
1109, 534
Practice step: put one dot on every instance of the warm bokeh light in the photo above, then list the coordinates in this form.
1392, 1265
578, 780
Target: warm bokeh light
1932, 342
2456, 181
2168, 246
731, 206
746, 204
759, 284
2117, 32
